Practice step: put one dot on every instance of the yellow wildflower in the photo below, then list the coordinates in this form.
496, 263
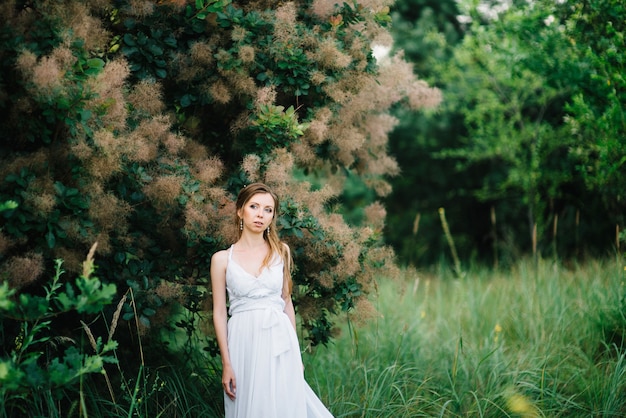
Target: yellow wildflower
521, 405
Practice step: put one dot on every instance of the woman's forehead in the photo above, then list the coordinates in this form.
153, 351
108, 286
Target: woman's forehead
264, 199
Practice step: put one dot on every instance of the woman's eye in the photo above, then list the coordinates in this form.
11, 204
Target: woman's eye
253, 206
269, 210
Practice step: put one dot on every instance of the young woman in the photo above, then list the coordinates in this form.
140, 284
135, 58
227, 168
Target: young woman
262, 375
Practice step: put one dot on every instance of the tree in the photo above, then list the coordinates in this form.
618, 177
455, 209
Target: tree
133, 123
511, 129
499, 79
426, 31
596, 112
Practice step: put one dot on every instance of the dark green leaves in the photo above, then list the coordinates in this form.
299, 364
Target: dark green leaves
147, 49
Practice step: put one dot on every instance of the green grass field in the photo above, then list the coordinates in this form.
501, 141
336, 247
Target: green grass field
536, 341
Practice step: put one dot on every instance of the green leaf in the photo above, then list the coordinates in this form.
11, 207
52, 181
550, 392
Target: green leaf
129, 40
95, 63
186, 100
50, 239
155, 50
6, 293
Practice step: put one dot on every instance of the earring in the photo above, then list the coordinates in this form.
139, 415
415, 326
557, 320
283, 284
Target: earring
241, 224
268, 229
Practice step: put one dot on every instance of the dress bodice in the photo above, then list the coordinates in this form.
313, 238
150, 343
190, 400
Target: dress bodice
248, 292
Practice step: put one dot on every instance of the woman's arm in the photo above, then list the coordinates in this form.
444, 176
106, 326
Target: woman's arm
220, 319
289, 309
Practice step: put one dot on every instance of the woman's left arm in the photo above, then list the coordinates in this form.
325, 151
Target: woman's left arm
289, 310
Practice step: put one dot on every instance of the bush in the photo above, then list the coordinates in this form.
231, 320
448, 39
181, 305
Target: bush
39, 367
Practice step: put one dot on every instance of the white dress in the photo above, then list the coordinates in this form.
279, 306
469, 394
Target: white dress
264, 349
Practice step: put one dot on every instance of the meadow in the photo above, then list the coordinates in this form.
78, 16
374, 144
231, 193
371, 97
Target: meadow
536, 340
539, 340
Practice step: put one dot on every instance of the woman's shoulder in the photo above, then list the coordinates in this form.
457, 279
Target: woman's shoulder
220, 257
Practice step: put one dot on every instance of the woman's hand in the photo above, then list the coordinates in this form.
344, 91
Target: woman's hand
229, 383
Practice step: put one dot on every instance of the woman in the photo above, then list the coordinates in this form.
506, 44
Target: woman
262, 369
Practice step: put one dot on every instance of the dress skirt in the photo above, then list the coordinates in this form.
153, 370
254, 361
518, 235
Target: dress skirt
266, 360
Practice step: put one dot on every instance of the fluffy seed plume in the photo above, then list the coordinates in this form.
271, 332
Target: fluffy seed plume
174, 143
286, 16
220, 92
209, 170
278, 172
265, 96
164, 190
375, 215
88, 265
147, 98
324, 8
116, 317
24, 270
329, 56
90, 337
251, 165
246, 54
201, 54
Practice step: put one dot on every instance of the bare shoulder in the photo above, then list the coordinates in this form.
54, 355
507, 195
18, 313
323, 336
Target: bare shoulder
286, 247
219, 259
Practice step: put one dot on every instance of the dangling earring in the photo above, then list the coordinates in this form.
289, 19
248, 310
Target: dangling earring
268, 229
241, 224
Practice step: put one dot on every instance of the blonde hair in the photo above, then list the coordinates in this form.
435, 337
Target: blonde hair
270, 235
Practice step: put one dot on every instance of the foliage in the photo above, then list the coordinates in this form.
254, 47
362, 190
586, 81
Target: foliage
596, 112
427, 31
40, 362
510, 148
134, 123
275, 127
444, 346
510, 111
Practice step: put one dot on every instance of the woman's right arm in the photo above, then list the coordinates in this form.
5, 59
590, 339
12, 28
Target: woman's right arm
220, 319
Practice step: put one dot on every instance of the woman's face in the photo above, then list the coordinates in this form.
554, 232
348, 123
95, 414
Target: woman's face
258, 212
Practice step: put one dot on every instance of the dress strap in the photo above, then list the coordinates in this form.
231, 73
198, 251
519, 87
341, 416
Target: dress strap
230, 252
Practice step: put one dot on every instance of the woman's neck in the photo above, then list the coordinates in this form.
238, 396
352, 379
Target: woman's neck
248, 242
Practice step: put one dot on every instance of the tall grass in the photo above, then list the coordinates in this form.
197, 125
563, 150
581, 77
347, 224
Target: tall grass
537, 341
168, 391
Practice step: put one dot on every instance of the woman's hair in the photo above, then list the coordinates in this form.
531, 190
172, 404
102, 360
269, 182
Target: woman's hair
276, 245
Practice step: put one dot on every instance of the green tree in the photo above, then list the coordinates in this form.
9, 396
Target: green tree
133, 123
595, 115
519, 91
513, 111
426, 31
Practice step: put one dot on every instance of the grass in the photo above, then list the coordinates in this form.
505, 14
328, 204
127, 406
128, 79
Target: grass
538, 340
531, 342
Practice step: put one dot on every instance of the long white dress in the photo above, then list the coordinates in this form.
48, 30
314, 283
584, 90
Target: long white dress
264, 349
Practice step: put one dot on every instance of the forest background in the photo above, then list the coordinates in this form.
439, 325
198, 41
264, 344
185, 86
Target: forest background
487, 133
